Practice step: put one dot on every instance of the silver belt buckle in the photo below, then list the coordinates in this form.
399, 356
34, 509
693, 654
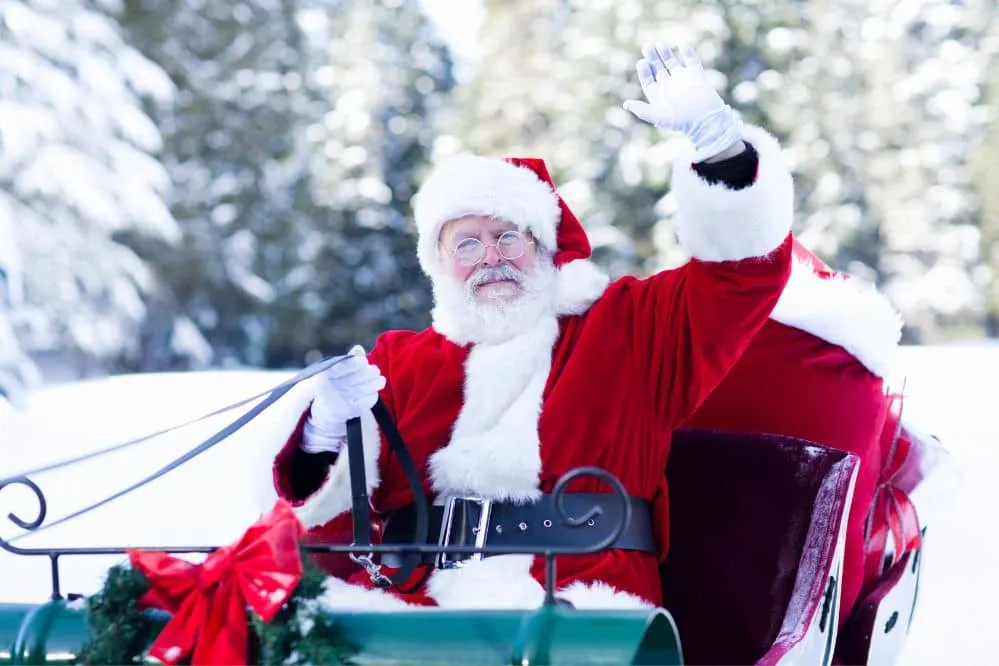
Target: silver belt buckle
480, 531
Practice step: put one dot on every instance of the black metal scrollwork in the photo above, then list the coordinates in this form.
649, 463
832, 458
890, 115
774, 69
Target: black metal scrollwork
54, 553
42, 505
576, 521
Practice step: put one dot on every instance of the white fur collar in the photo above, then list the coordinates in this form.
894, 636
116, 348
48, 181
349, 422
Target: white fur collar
494, 450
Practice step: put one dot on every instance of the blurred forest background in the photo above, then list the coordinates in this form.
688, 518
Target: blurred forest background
188, 184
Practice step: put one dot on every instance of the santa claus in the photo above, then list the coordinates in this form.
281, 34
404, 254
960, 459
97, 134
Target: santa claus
537, 364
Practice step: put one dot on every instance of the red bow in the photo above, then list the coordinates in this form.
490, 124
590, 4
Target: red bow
891, 511
208, 600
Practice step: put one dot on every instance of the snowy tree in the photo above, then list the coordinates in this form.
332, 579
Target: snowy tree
293, 145
882, 108
242, 189
986, 163
878, 104
18, 373
550, 82
385, 78
77, 170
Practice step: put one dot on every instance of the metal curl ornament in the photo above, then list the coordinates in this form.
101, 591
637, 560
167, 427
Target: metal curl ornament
559, 492
42, 506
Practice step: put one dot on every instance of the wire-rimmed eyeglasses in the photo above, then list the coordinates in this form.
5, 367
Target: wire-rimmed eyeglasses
510, 245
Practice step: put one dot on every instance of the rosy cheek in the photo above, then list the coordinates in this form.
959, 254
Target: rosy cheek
460, 272
523, 263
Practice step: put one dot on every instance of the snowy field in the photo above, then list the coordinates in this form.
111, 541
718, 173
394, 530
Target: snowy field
211, 500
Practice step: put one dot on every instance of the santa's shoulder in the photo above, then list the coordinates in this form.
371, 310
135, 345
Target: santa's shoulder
835, 307
843, 310
426, 347
621, 299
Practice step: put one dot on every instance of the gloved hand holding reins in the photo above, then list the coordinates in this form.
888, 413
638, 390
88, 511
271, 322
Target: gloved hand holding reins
345, 391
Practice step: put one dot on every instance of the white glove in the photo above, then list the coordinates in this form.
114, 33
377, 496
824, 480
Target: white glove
682, 100
345, 391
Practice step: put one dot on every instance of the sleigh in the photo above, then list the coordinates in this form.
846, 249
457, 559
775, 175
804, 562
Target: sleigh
753, 576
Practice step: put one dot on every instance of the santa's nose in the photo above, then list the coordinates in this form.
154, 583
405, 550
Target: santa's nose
492, 257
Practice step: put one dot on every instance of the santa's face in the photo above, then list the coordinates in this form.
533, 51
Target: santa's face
491, 292
489, 256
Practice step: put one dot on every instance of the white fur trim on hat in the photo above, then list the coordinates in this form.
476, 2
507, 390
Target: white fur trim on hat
474, 185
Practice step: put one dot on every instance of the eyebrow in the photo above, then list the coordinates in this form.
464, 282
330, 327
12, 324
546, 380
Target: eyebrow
465, 233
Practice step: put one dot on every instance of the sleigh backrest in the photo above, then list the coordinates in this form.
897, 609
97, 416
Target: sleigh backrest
758, 524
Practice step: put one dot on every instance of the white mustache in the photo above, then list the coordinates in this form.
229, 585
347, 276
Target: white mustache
484, 275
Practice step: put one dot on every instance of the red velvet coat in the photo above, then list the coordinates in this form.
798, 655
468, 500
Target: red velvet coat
602, 384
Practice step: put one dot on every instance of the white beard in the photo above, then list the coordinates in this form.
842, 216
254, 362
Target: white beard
463, 319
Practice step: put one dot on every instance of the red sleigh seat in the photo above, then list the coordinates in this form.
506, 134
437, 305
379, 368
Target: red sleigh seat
758, 527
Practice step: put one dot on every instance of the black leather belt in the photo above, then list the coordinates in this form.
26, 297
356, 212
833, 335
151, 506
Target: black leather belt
470, 521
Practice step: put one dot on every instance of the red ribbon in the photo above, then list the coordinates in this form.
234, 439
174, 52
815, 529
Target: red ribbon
892, 512
208, 601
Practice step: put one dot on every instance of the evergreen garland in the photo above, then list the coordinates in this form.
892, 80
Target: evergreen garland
300, 633
121, 632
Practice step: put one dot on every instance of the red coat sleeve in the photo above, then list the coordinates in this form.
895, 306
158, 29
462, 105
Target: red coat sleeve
690, 326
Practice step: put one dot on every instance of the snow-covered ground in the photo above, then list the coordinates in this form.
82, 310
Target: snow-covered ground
953, 390
212, 500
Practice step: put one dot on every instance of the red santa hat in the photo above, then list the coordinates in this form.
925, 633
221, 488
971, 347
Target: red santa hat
521, 191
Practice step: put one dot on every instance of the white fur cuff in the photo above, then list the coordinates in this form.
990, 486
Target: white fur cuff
715, 223
334, 496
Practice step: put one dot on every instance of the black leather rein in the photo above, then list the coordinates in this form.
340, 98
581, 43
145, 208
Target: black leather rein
361, 508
